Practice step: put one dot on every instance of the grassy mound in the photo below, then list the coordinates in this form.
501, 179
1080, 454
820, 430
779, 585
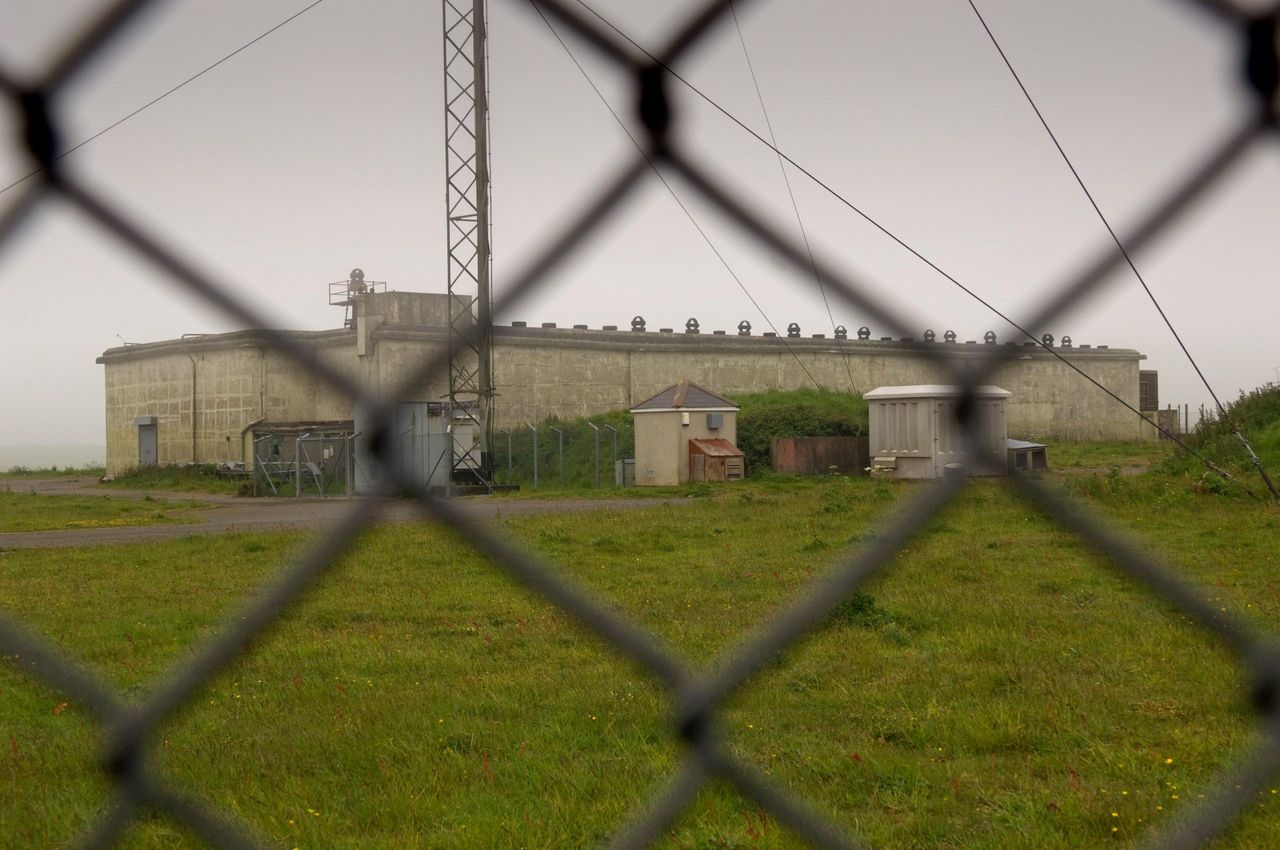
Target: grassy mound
795, 413
1257, 415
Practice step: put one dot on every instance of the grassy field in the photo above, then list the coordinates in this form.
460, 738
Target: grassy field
997, 687
37, 512
200, 478
21, 473
1101, 456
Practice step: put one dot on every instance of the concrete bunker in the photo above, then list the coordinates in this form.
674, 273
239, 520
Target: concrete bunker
207, 391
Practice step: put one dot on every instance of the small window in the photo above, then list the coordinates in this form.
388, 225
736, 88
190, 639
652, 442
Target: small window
715, 421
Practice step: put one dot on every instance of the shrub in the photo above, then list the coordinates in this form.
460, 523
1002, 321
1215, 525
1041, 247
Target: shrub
861, 611
579, 451
1257, 415
795, 413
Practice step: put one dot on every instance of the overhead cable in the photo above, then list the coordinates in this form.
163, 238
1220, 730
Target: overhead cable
795, 207
156, 100
658, 173
907, 247
1120, 246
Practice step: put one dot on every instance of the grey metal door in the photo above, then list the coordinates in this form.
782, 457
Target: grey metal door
147, 445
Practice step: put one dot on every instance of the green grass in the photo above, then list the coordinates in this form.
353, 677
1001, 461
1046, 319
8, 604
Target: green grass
579, 456
1101, 455
40, 512
1257, 415
196, 478
26, 472
996, 687
803, 412
795, 413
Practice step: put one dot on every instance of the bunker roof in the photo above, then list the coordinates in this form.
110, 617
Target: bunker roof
685, 395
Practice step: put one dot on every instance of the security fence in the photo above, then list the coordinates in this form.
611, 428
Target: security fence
556, 454
697, 695
303, 460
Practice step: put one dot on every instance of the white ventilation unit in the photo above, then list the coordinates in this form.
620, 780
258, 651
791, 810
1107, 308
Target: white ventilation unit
915, 433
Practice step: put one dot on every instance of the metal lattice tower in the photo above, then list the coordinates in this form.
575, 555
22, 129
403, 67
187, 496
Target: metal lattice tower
466, 138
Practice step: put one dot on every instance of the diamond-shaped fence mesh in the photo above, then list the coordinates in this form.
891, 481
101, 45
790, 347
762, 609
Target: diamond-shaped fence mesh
697, 695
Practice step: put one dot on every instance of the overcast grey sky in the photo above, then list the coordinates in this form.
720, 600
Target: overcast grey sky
320, 148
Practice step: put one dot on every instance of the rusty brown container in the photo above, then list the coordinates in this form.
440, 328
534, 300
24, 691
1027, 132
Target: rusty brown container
819, 455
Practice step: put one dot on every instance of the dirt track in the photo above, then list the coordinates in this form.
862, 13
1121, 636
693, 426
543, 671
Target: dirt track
232, 514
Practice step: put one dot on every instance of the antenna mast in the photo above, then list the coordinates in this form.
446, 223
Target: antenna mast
466, 140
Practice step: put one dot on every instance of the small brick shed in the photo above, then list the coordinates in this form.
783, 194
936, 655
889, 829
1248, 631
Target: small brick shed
665, 424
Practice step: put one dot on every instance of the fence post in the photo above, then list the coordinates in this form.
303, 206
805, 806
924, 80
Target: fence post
351, 462
508, 433
614, 431
534, 429
560, 437
593, 427
297, 468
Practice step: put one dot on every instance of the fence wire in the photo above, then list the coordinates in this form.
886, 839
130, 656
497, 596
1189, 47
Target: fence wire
698, 695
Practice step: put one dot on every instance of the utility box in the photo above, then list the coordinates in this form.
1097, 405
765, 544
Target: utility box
915, 434
666, 423
427, 435
1027, 457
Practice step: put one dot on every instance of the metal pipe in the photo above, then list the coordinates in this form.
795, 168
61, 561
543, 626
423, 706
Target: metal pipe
615, 450
297, 467
244, 431
534, 429
192, 358
596, 428
560, 435
483, 234
509, 465
351, 462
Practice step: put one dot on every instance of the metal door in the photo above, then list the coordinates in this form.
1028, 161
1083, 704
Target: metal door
147, 449
948, 442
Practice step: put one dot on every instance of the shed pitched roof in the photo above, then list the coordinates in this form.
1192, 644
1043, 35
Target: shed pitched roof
715, 447
685, 395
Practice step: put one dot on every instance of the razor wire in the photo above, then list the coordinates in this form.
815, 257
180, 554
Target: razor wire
697, 695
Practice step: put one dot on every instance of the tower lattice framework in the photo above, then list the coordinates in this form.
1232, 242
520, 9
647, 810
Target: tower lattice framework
466, 130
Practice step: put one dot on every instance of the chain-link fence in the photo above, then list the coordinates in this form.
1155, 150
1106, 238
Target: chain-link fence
697, 695
588, 453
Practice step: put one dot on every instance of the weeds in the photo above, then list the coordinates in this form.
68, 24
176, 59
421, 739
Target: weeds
861, 611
